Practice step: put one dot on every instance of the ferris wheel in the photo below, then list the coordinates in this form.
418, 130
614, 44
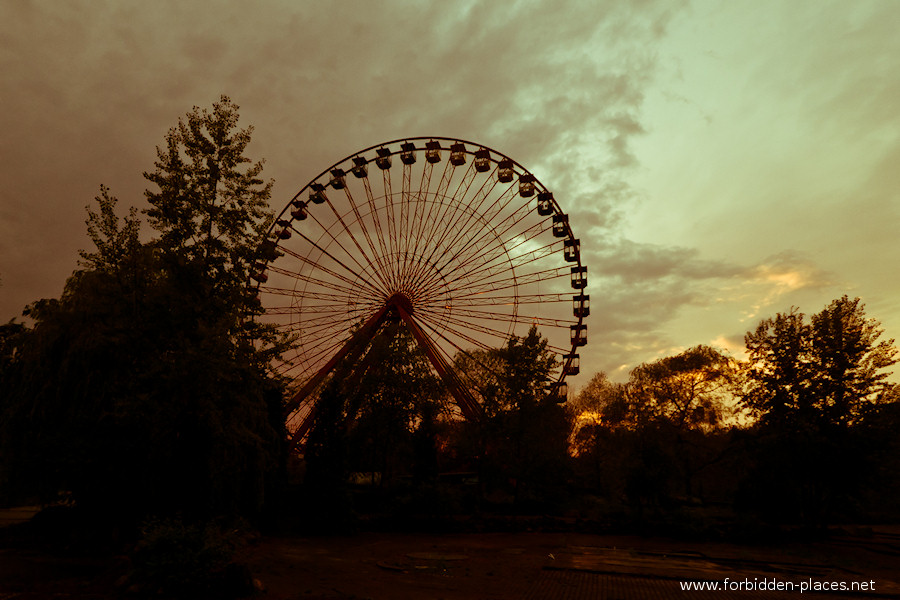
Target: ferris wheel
459, 242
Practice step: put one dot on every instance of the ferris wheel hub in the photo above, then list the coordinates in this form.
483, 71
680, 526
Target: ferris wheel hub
401, 300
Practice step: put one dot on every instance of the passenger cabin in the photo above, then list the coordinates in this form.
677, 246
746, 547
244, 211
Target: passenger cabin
572, 250
408, 153
581, 305
299, 211
526, 185
383, 160
284, 233
482, 160
545, 204
359, 167
457, 154
579, 277
269, 249
259, 272
578, 334
317, 193
433, 151
572, 364
505, 171
560, 225
337, 178
559, 392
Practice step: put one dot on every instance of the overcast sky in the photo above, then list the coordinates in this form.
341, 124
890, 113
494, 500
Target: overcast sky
722, 161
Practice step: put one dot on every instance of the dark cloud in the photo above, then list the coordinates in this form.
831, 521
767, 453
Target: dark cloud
92, 87
630, 261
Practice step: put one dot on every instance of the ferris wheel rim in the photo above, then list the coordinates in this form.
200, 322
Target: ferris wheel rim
469, 148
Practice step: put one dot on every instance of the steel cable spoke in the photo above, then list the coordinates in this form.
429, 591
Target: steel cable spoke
326, 231
370, 198
419, 238
376, 265
349, 233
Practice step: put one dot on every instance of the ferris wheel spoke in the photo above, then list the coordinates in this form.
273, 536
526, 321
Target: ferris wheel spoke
473, 288
473, 249
482, 300
322, 352
373, 210
517, 262
311, 295
522, 319
307, 309
320, 267
484, 260
389, 211
322, 327
460, 351
309, 279
476, 222
438, 329
421, 202
464, 325
489, 215
323, 322
445, 221
315, 245
405, 204
499, 248
419, 216
275, 291
373, 262
336, 310
420, 238
449, 220
349, 233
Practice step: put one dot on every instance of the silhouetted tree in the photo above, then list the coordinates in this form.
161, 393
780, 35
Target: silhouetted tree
596, 453
394, 396
849, 361
145, 388
209, 207
522, 441
377, 415
812, 385
657, 432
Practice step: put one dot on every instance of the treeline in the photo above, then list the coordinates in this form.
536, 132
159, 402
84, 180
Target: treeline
146, 391
390, 442
802, 432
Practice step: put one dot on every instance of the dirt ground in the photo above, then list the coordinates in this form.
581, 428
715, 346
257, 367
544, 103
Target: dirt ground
495, 566
555, 565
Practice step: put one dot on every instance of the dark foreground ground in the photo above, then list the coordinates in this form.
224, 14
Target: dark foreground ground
487, 566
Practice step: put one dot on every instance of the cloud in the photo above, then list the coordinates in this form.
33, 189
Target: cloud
649, 301
781, 277
637, 291
92, 87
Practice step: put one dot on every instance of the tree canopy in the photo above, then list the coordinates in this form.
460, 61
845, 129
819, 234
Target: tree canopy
829, 370
144, 388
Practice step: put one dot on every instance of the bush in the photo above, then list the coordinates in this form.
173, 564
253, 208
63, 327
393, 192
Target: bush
179, 560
